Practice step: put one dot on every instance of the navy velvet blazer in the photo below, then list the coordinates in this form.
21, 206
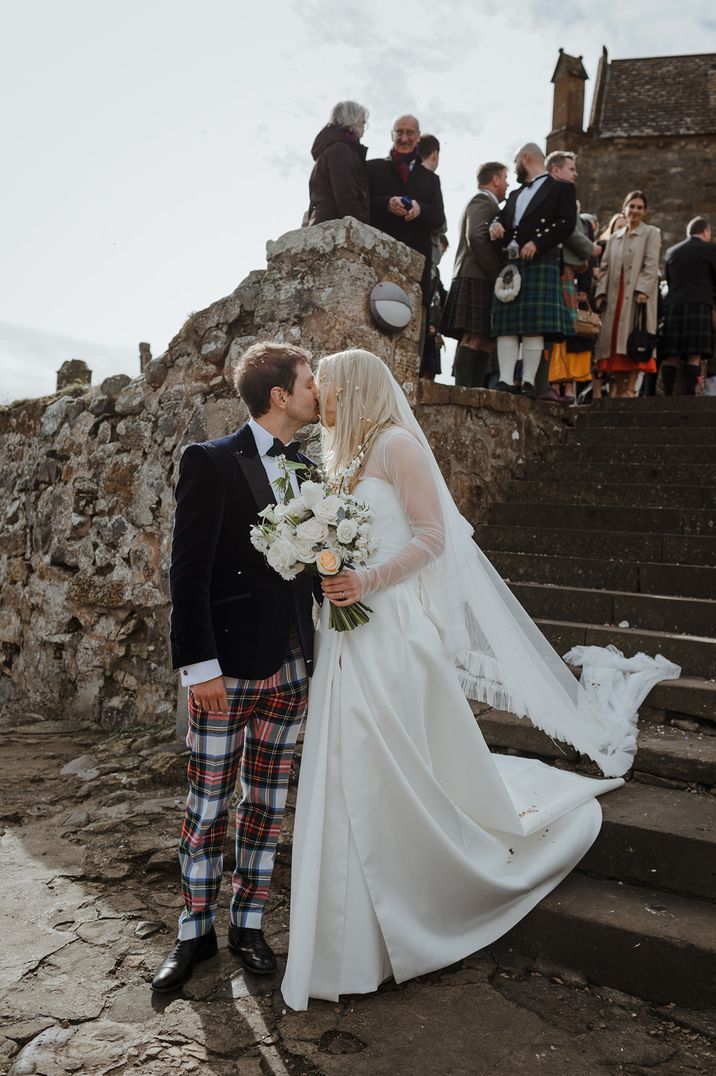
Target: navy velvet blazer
226, 601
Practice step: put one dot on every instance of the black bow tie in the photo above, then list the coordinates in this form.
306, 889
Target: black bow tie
529, 184
290, 451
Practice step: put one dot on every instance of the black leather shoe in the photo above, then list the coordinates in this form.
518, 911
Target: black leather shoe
179, 965
529, 390
502, 386
252, 949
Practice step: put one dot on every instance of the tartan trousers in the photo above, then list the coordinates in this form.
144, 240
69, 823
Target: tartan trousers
256, 735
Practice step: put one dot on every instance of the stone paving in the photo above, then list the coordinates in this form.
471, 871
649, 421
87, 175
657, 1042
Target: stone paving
90, 898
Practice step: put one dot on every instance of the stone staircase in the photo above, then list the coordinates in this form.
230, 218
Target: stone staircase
612, 539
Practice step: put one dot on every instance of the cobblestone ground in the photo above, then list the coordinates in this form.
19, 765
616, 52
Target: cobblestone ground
89, 883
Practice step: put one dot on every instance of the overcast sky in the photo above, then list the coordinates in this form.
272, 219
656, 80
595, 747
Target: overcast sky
151, 147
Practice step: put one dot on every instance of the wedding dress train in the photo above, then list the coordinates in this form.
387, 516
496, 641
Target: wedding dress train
413, 845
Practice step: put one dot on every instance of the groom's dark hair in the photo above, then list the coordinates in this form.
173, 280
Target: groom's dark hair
265, 366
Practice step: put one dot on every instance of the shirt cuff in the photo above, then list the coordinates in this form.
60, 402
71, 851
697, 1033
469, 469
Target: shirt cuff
200, 672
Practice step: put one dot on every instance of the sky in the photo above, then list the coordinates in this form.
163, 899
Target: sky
152, 147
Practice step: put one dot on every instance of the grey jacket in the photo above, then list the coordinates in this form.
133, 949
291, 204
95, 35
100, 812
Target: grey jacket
577, 249
477, 255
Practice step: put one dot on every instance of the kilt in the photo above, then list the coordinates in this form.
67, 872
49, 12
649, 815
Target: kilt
468, 308
687, 331
539, 309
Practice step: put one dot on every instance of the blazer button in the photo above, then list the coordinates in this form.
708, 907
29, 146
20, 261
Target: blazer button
185, 671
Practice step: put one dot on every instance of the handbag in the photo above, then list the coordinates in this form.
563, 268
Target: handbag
640, 343
588, 323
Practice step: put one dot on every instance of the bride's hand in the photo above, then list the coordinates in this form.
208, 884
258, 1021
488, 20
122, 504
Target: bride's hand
343, 589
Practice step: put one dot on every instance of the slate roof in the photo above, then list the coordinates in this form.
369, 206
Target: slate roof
659, 95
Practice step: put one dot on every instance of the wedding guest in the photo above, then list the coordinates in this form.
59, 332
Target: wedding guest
629, 281
570, 361
536, 219
405, 197
338, 186
688, 332
468, 309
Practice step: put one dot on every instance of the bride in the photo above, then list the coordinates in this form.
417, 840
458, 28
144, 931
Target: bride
413, 845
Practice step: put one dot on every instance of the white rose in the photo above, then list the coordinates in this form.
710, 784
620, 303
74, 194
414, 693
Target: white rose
282, 557
364, 530
313, 531
306, 551
327, 509
311, 492
346, 531
258, 540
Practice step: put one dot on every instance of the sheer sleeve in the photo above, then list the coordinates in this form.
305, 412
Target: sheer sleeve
399, 459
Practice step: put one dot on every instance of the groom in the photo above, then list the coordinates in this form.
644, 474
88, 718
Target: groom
242, 639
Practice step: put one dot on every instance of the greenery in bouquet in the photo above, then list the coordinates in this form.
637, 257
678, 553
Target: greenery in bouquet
323, 531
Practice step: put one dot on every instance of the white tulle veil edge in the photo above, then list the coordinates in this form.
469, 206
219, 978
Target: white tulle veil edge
504, 660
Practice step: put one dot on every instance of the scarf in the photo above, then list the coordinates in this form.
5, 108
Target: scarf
402, 161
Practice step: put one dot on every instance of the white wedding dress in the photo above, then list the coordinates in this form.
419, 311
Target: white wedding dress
413, 845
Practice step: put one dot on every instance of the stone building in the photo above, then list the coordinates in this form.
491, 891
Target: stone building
652, 126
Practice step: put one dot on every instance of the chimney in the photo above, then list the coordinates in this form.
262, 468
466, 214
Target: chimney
568, 108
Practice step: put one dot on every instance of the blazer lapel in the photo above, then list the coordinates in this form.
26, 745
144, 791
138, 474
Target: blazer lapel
539, 196
253, 469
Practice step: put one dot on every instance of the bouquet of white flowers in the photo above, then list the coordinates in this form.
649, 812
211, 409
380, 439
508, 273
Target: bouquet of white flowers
322, 532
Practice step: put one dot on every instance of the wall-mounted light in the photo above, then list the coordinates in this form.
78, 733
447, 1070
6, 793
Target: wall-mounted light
390, 307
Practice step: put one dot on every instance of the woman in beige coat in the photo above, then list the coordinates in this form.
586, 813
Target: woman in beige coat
629, 280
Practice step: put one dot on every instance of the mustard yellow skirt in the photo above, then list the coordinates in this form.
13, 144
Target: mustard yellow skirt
569, 366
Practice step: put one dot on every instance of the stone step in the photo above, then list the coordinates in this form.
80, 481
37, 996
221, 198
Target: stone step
661, 437
593, 493
657, 837
689, 616
643, 942
609, 418
689, 696
614, 545
666, 756
687, 521
655, 404
627, 575
603, 453
560, 467
696, 655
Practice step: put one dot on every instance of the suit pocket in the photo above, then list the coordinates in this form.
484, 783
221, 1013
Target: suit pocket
233, 598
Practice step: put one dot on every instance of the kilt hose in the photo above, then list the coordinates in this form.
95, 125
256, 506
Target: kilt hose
257, 735
468, 308
539, 309
687, 331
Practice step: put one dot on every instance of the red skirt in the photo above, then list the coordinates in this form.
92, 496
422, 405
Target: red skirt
616, 363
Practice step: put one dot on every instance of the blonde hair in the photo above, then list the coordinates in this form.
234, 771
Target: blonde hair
365, 403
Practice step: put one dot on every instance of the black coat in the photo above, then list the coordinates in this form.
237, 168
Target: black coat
226, 601
338, 186
549, 219
690, 268
424, 187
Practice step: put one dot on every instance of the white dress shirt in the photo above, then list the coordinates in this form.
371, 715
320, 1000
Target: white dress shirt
201, 671
525, 196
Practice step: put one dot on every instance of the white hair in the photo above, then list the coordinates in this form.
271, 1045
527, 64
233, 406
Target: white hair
365, 403
350, 114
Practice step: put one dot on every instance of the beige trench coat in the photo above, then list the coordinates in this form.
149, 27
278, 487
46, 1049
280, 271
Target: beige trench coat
636, 254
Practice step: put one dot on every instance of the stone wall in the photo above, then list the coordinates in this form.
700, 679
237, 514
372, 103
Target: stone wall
86, 488
676, 174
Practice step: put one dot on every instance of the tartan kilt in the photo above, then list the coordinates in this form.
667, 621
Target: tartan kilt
468, 308
539, 309
687, 331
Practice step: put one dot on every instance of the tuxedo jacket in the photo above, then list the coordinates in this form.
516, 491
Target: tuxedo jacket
423, 185
549, 219
690, 268
226, 601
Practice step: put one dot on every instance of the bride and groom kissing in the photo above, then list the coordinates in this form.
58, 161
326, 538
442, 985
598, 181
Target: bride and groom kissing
413, 845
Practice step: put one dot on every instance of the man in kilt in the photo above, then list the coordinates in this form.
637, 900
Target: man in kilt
536, 219
688, 330
468, 310
242, 640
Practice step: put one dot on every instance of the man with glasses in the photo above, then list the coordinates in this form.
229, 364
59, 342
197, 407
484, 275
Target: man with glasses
405, 197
